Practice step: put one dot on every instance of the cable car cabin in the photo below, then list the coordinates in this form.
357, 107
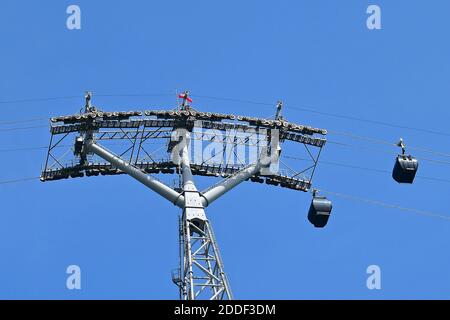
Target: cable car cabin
405, 169
319, 211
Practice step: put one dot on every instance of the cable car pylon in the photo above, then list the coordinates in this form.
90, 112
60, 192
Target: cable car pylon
201, 273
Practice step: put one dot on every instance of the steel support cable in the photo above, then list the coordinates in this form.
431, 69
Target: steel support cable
373, 140
305, 109
78, 97
386, 205
30, 100
238, 101
18, 180
350, 166
23, 149
346, 196
337, 194
251, 102
23, 128
385, 142
342, 144
330, 142
287, 157
350, 118
9, 122
71, 145
330, 114
133, 94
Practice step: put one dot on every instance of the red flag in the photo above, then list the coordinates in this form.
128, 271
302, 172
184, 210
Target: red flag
184, 96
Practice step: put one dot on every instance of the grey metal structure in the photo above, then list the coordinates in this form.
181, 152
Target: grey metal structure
201, 272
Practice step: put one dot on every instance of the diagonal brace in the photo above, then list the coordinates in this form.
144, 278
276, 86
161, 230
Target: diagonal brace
229, 183
155, 185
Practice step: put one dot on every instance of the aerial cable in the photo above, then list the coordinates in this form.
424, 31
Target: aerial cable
39, 99
343, 144
293, 107
386, 205
18, 180
248, 102
30, 100
22, 121
385, 142
23, 149
337, 194
23, 128
134, 95
335, 115
350, 166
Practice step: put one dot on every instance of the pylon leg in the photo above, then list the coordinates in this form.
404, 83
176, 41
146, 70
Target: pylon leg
202, 273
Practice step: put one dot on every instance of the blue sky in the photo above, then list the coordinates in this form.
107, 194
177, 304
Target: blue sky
311, 54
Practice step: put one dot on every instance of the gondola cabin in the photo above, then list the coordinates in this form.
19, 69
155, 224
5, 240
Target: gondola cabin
405, 169
319, 211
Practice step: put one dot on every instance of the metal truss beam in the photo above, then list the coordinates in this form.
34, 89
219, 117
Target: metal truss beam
208, 170
289, 131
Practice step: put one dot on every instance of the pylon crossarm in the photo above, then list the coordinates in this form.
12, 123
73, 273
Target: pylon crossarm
229, 183
155, 185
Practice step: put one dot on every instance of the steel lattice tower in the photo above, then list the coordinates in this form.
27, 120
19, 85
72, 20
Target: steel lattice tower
201, 272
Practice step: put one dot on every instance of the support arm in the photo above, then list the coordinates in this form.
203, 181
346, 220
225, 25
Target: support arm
229, 183
155, 185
